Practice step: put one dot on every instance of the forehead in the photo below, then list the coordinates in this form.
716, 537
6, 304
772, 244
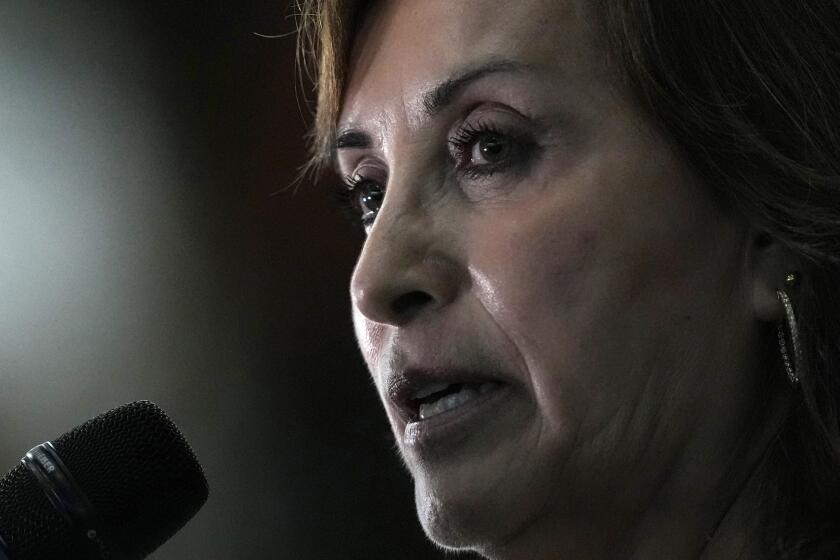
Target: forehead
405, 47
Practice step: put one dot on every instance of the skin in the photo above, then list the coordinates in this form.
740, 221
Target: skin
624, 309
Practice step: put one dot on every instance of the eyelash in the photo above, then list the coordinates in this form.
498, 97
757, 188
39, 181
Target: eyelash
461, 144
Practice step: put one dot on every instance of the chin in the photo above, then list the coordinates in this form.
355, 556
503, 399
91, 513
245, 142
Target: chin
477, 489
449, 524
468, 512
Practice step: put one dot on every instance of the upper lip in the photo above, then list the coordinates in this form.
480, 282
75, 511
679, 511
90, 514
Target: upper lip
402, 386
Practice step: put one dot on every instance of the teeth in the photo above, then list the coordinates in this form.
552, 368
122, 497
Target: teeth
427, 410
423, 393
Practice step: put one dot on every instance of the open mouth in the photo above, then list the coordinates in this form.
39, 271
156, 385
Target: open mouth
438, 398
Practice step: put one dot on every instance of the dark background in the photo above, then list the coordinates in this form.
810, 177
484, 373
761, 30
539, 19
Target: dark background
151, 248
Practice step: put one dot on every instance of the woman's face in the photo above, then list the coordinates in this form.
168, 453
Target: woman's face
553, 310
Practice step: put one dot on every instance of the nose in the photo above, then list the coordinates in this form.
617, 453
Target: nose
406, 269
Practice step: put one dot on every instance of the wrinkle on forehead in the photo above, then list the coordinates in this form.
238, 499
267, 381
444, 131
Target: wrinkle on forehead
373, 76
407, 47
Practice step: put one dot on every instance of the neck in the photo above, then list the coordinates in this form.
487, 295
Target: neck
726, 525
737, 533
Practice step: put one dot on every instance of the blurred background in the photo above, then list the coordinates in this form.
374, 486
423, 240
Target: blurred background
150, 248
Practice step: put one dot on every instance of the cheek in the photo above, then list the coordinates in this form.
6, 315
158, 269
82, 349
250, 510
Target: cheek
577, 283
525, 273
532, 270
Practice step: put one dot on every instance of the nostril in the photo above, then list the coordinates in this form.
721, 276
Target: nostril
410, 302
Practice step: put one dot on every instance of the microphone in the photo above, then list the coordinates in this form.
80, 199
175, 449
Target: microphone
115, 488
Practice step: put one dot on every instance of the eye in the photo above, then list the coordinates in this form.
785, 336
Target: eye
480, 150
361, 198
490, 148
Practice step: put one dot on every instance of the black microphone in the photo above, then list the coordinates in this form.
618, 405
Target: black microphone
114, 488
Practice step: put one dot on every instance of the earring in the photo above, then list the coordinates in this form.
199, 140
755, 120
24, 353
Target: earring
793, 367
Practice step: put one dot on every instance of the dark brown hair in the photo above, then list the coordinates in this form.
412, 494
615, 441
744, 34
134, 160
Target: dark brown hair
749, 94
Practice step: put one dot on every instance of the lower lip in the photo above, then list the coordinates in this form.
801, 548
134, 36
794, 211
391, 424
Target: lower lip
454, 424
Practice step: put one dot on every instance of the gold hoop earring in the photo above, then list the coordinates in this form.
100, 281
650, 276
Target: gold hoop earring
793, 365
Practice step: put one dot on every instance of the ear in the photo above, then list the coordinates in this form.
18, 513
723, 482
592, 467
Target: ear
769, 263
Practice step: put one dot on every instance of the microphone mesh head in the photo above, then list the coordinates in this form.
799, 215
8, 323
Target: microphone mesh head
27, 520
136, 469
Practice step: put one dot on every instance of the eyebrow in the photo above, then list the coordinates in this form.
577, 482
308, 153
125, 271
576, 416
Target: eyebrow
437, 98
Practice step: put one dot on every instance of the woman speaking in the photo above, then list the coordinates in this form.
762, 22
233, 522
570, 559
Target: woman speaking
600, 290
